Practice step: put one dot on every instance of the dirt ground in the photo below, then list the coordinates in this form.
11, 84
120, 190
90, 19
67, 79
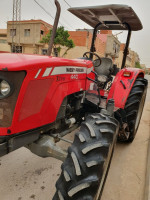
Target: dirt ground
25, 176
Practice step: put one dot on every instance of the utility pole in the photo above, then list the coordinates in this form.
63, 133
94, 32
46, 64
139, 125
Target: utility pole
16, 26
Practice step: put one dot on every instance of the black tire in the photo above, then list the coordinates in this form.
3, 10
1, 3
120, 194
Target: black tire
85, 169
134, 106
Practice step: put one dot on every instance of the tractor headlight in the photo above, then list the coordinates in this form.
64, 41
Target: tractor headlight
102, 78
5, 89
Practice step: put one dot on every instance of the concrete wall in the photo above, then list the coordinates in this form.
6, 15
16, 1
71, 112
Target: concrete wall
112, 46
28, 49
32, 49
74, 53
5, 47
3, 41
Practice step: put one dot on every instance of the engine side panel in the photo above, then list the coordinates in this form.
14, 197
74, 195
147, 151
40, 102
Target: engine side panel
42, 93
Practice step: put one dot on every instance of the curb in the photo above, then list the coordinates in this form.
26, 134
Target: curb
147, 176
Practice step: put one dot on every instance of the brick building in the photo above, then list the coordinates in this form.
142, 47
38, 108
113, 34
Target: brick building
82, 41
106, 44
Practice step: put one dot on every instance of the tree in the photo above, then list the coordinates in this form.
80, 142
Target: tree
61, 39
137, 65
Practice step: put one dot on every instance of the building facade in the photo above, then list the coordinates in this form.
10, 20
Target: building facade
143, 67
24, 36
131, 60
4, 47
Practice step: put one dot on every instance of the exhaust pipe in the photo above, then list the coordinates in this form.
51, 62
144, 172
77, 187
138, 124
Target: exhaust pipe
51, 42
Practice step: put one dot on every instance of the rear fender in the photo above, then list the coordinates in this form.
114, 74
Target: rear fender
122, 85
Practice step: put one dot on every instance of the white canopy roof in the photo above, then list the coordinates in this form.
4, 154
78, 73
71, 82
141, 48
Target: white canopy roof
112, 16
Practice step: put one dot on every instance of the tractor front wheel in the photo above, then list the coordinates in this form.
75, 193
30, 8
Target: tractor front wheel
85, 169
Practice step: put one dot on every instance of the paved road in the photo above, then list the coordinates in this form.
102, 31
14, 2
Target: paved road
25, 176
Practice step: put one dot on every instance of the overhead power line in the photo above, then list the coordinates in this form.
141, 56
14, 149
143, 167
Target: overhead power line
43, 9
47, 12
64, 20
67, 3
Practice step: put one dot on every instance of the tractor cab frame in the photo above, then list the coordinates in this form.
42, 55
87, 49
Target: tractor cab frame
109, 17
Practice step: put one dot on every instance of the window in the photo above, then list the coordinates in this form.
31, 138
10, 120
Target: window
116, 47
17, 49
3, 35
44, 51
27, 32
12, 32
3, 41
42, 32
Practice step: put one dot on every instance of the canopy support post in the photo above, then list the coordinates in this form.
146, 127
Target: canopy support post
126, 51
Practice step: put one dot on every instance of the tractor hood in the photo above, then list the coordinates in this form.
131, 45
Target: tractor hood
19, 62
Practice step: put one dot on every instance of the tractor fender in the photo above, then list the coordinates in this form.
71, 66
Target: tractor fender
123, 84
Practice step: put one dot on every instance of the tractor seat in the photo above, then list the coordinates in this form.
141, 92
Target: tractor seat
105, 68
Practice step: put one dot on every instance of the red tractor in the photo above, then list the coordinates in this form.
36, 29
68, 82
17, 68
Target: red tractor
43, 98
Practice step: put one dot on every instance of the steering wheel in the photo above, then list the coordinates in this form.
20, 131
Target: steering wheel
97, 62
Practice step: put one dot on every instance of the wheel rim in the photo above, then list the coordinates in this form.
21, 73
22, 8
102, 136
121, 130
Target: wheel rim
140, 110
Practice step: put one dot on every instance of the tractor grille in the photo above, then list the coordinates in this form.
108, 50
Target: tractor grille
7, 105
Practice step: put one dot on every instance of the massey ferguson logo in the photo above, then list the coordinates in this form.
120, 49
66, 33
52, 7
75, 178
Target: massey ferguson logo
74, 69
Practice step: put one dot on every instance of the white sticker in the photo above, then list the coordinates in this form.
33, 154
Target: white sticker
74, 76
91, 86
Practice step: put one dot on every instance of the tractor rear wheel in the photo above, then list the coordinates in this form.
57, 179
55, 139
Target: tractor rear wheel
85, 169
134, 106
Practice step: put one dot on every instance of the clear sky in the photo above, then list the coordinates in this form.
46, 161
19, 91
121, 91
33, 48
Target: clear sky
140, 41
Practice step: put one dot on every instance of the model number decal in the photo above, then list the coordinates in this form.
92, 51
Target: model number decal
59, 78
74, 76
70, 69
